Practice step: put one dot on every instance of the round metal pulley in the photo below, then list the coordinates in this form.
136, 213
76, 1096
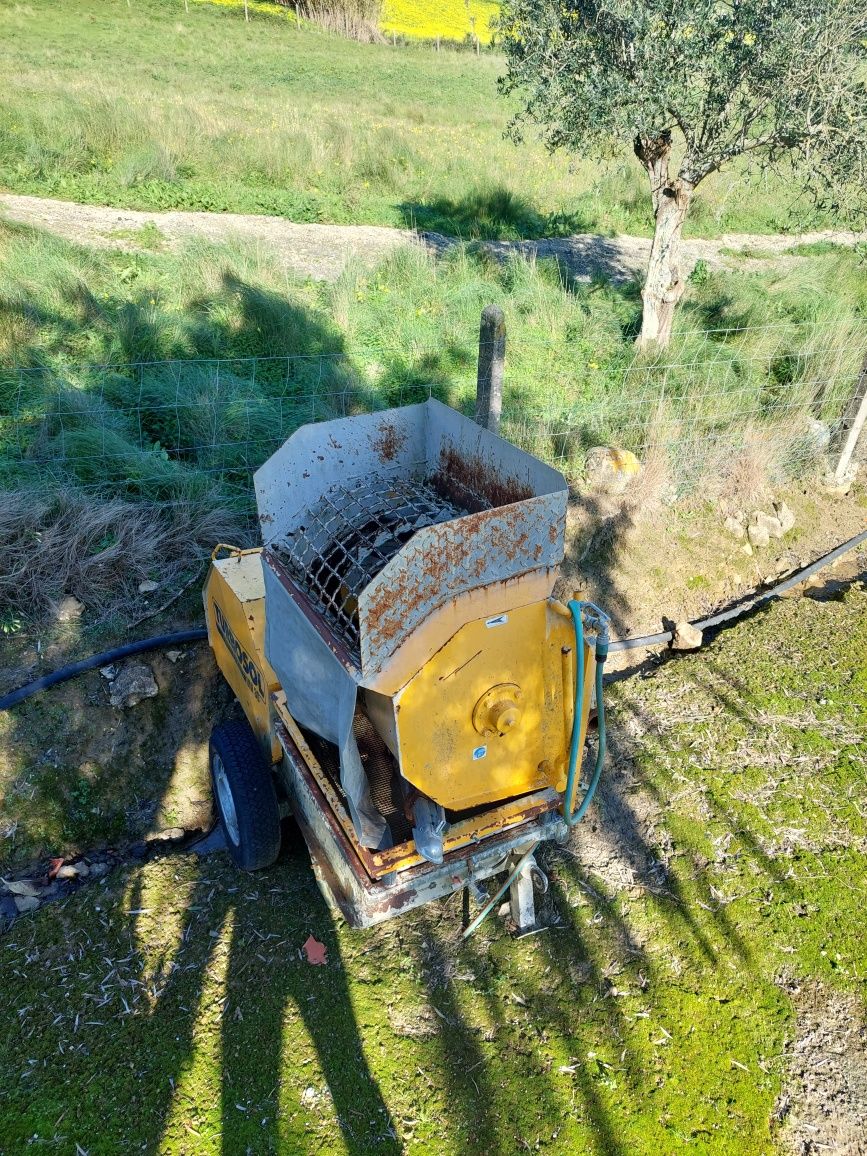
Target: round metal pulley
498, 711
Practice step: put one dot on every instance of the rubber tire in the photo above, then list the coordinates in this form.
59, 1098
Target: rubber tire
251, 784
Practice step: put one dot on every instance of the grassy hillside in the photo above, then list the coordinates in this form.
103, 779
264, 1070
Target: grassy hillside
150, 106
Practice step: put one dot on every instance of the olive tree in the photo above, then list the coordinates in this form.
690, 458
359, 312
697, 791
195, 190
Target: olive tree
692, 85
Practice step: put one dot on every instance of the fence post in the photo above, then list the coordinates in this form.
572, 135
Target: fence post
853, 424
492, 357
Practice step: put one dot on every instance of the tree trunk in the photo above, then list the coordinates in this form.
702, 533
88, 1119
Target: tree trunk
663, 286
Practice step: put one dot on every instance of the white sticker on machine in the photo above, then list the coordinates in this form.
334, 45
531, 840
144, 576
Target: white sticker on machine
500, 620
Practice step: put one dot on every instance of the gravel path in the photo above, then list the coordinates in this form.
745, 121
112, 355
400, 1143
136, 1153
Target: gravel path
322, 251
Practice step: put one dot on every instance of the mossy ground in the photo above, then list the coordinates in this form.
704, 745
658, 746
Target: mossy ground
169, 1009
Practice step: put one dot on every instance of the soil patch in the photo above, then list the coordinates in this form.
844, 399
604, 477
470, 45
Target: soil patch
824, 1106
323, 251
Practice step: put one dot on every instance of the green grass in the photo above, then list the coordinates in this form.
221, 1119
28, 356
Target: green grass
385, 337
169, 1010
147, 106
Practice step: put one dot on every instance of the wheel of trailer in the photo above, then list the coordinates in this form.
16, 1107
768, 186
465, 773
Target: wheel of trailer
245, 797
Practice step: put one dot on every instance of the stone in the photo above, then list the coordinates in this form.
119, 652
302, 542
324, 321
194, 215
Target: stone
784, 515
819, 434
23, 887
148, 587
611, 470
758, 535
747, 549
769, 522
108, 672
734, 527
132, 684
25, 903
68, 609
174, 655
839, 487
168, 834
787, 563
686, 637
97, 870
68, 871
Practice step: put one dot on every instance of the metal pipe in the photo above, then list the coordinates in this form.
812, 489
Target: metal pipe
491, 904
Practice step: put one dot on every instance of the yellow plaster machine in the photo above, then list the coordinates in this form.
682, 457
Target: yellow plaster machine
415, 696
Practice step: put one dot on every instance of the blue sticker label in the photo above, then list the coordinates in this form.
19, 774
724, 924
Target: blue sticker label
479, 753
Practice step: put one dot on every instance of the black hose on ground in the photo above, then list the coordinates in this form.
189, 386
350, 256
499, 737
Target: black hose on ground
735, 612
162, 640
97, 660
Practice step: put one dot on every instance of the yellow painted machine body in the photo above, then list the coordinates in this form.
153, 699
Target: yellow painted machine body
477, 717
234, 597
488, 716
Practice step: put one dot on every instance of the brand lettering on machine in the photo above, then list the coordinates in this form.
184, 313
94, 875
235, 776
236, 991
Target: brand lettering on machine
250, 672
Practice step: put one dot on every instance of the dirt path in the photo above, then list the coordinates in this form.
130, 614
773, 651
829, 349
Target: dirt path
322, 251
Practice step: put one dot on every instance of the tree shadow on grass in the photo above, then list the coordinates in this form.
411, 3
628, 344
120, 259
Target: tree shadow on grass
527, 1042
191, 1022
490, 214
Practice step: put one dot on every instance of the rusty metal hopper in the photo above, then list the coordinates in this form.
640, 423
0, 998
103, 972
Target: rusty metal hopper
382, 518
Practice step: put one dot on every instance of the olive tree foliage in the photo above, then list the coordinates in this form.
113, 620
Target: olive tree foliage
703, 81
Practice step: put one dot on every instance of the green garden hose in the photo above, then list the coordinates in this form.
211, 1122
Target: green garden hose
600, 619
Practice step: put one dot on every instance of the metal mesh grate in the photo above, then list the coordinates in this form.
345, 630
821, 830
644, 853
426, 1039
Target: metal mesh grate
350, 534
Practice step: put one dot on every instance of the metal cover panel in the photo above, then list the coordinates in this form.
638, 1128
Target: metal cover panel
445, 561
320, 455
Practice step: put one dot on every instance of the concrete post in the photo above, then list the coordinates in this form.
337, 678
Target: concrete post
852, 425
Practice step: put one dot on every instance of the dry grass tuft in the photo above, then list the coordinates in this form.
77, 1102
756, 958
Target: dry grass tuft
653, 488
99, 550
356, 19
744, 477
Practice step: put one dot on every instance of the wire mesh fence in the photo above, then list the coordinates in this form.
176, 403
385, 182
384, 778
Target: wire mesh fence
162, 431
716, 398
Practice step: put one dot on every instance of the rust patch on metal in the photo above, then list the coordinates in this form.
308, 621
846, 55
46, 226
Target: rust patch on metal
389, 442
472, 482
445, 571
